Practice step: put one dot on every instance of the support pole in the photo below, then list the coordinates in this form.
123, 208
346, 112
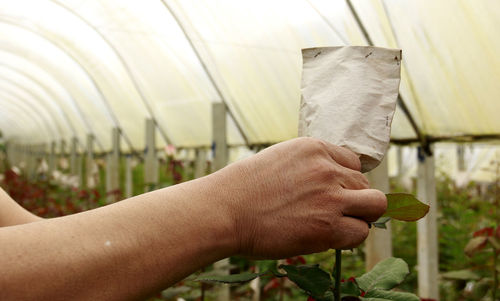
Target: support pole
128, 177
399, 155
52, 158
89, 163
72, 156
461, 157
200, 164
219, 136
62, 154
150, 160
427, 241
378, 245
113, 164
220, 160
30, 161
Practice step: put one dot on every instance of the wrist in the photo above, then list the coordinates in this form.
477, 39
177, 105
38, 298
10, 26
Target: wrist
218, 215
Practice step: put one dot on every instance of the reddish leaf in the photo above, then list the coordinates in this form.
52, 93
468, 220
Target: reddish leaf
488, 231
476, 244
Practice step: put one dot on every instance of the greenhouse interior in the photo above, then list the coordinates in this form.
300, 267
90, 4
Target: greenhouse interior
103, 101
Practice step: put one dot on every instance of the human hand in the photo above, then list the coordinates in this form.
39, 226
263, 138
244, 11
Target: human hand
298, 197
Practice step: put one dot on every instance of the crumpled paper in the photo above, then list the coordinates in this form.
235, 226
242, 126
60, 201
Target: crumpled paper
349, 95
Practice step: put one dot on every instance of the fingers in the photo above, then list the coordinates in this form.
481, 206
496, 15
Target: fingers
365, 204
354, 232
343, 156
353, 179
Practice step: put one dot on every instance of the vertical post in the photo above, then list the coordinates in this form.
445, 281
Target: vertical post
150, 161
378, 245
113, 179
128, 177
89, 162
30, 161
427, 241
72, 156
219, 161
52, 158
219, 136
62, 154
200, 163
255, 286
79, 169
399, 154
461, 157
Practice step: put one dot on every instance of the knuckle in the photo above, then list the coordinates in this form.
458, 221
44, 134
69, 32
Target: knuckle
361, 180
315, 144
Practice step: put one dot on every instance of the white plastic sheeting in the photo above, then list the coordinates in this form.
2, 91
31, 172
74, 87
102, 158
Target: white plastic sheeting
69, 68
480, 163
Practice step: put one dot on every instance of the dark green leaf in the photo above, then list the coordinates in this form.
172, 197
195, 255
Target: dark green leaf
385, 275
236, 278
405, 207
390, 295
349, 288
328, 296
350, 298
310, 278
460, 275
380, 223
275, 272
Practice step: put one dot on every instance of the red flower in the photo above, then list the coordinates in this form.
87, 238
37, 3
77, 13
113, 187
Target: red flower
310, 298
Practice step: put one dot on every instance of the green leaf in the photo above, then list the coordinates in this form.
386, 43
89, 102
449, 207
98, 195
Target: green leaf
235, 278
460, 275
385, 275
390, 295
310, 278
405, 207
380, 223
348, 288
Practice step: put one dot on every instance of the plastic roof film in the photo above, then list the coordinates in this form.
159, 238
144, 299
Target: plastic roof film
72, 68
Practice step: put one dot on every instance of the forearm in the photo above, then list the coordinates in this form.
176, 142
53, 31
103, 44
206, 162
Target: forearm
119, 252
11, 213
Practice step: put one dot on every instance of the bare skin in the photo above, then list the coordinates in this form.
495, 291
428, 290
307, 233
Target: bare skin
297, 197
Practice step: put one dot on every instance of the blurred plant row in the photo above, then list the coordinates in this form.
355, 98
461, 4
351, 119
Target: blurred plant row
468, 221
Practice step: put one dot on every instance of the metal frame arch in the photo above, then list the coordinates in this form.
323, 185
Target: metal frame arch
207, 71
11, 120
111, 113
9, 100
47, 89
45, 108
28, 103
137, 87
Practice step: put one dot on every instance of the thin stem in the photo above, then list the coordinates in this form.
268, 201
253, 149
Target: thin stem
337, 272
495, 275
202, 288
